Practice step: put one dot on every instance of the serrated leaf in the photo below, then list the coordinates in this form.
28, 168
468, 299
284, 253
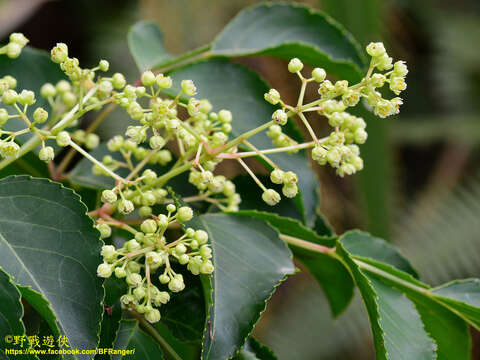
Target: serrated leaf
139, 345
250, 261
47, 242
462, 297
253, 350
365, 246
145, 40
450, 332
397, 328
11, 313
234, 87
330, 273
32, 69
288, 31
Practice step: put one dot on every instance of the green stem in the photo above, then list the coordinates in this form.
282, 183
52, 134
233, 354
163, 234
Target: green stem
154, 333
187, 58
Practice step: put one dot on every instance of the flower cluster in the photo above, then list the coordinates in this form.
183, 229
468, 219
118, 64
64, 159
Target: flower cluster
175, 132
149, 253
340, 149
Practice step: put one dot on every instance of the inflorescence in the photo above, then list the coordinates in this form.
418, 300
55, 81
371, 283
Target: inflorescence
164, 117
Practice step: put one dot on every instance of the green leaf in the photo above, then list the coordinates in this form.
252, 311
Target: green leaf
186, 351
462, 297
330, 273
450, 332
289, 31
250, 261
145, 40
253, 350
139, 345
234, 87
184, 314
48, 243
397, 328
114, 289
366, 247
32, 69
11, 313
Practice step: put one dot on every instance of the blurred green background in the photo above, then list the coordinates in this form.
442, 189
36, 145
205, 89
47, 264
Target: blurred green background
421, 185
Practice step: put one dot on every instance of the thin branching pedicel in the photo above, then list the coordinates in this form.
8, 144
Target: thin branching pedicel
202, 137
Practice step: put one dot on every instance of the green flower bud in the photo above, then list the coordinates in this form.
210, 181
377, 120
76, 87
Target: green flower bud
334, 157
162, 221
164, 82
164, 279
183, 259
149, 176
108, 196
319, 74
92, 141
157, 142
351, 98
115, 143
139, 293
188, 88
3, 117
133, 267
10, 97
10, 81
290, 190
46, 154
148, 78
171, 208
63, 86
13, 50
176, 284
125, 207
205, 106
132, 245
205, 252
105, 230
276, 176
152, 316
280, 117
384, 62
180, 249
163, 157
271, 197
148, 199
134, 279
207, 268
127, 299
184, 214
201, 236
295, 65
105, 87
375, 49
360, 136
63, 138
26, 97
319, 154
357, 162
225, 116
19, 39
120, 273
118, 81
103, 65
145, 211
69, 99
59, 53
137, 133
104, 270
149, 226
290, 178
162, 298
273, 97
108, 251
346, 169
